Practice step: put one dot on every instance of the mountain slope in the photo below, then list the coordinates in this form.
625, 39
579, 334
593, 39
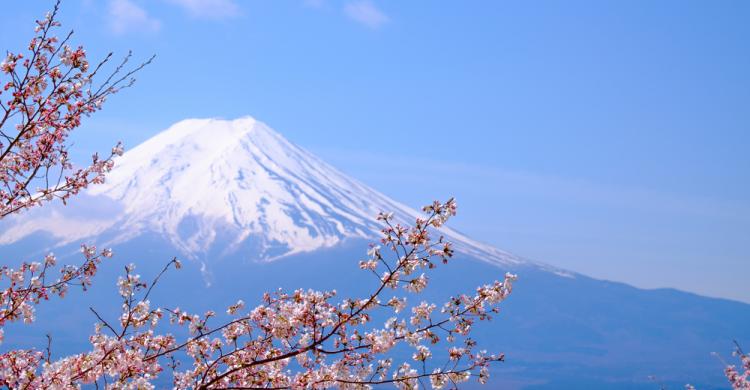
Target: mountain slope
236, 183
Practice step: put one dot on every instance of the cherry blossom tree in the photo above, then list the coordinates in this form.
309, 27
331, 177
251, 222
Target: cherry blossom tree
302, 339
292, 340
48, 90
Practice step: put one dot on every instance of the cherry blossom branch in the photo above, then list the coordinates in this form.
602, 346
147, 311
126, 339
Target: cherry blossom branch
48, 92
739, 379
27, 285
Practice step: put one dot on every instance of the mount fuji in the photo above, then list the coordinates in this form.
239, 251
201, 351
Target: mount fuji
251, 211
236, 185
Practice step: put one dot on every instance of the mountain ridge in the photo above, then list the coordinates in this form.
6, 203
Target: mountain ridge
258, 192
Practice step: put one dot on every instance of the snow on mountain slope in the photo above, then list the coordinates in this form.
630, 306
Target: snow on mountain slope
206, 183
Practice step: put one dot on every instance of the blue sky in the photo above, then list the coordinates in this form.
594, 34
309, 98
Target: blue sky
610, 138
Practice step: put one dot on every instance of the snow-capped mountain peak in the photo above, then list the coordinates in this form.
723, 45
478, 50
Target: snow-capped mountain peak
234, 184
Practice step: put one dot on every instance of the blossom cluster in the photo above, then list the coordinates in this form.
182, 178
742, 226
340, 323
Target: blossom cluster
303, 339
31, 283
48, 91
739, 378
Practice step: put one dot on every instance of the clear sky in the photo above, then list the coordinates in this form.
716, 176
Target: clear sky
609, 138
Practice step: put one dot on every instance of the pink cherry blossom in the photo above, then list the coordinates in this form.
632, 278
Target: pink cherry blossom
47, 93
333, 342
739, 378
